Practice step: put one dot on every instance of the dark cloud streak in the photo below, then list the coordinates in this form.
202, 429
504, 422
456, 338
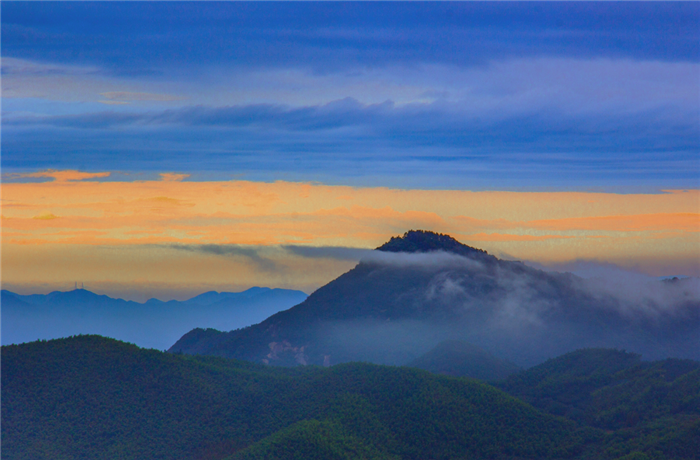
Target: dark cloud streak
252, 253
328, 252
345, 138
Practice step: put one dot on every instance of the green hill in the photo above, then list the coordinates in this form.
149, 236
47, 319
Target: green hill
311, 440
89, 397
649, 406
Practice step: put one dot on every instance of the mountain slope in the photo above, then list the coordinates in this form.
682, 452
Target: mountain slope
609, 388
424, 288
647, 406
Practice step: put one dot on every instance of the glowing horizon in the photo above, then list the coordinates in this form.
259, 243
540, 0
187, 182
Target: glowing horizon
155, 223
183, 146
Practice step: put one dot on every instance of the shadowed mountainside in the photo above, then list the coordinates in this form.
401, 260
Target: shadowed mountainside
424, 288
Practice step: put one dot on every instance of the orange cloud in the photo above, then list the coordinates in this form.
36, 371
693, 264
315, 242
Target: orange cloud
61, 176
548, 226
507, 237
687, 221
45, 216
631, 223
173, 177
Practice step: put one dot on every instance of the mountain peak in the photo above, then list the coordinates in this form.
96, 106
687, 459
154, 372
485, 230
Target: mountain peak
426, 241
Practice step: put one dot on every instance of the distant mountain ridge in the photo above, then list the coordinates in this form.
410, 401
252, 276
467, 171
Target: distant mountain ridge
423, 288
153, 324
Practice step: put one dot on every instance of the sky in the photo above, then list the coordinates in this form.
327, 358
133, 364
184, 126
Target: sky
164, 149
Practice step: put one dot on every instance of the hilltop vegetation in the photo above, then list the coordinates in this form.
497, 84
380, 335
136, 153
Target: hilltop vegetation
89, 397
654, 406
421, 241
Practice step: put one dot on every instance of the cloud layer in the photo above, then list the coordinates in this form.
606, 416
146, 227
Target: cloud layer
438, 95
200, 133
93, 228
331, 36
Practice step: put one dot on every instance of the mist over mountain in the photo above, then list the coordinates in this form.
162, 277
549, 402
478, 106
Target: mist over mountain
423, 288
153, 324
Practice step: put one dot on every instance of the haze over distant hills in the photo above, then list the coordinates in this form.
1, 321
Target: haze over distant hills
153, 324
422, 288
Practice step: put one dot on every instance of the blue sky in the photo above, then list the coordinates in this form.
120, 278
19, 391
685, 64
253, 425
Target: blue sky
476, 96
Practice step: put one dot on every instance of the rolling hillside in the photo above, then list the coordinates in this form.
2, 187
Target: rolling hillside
90, 397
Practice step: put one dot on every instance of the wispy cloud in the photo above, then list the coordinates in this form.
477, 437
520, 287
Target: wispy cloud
377, 144
114, 102
230, 250
173, 177
333, 37
328, 252
130, 96
331, 224
28, 68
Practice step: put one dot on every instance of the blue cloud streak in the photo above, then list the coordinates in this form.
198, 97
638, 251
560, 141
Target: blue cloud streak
142, 39
640, 140
346, 138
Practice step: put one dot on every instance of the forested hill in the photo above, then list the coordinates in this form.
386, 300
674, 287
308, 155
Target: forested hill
89, 397
613, 389
94, 398
423, 288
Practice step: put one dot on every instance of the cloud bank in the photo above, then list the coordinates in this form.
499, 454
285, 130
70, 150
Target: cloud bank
475, 96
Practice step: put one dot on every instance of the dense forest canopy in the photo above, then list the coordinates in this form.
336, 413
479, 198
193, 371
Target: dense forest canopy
90, 397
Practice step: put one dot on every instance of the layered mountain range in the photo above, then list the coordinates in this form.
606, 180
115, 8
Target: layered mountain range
424, 288
153, 324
